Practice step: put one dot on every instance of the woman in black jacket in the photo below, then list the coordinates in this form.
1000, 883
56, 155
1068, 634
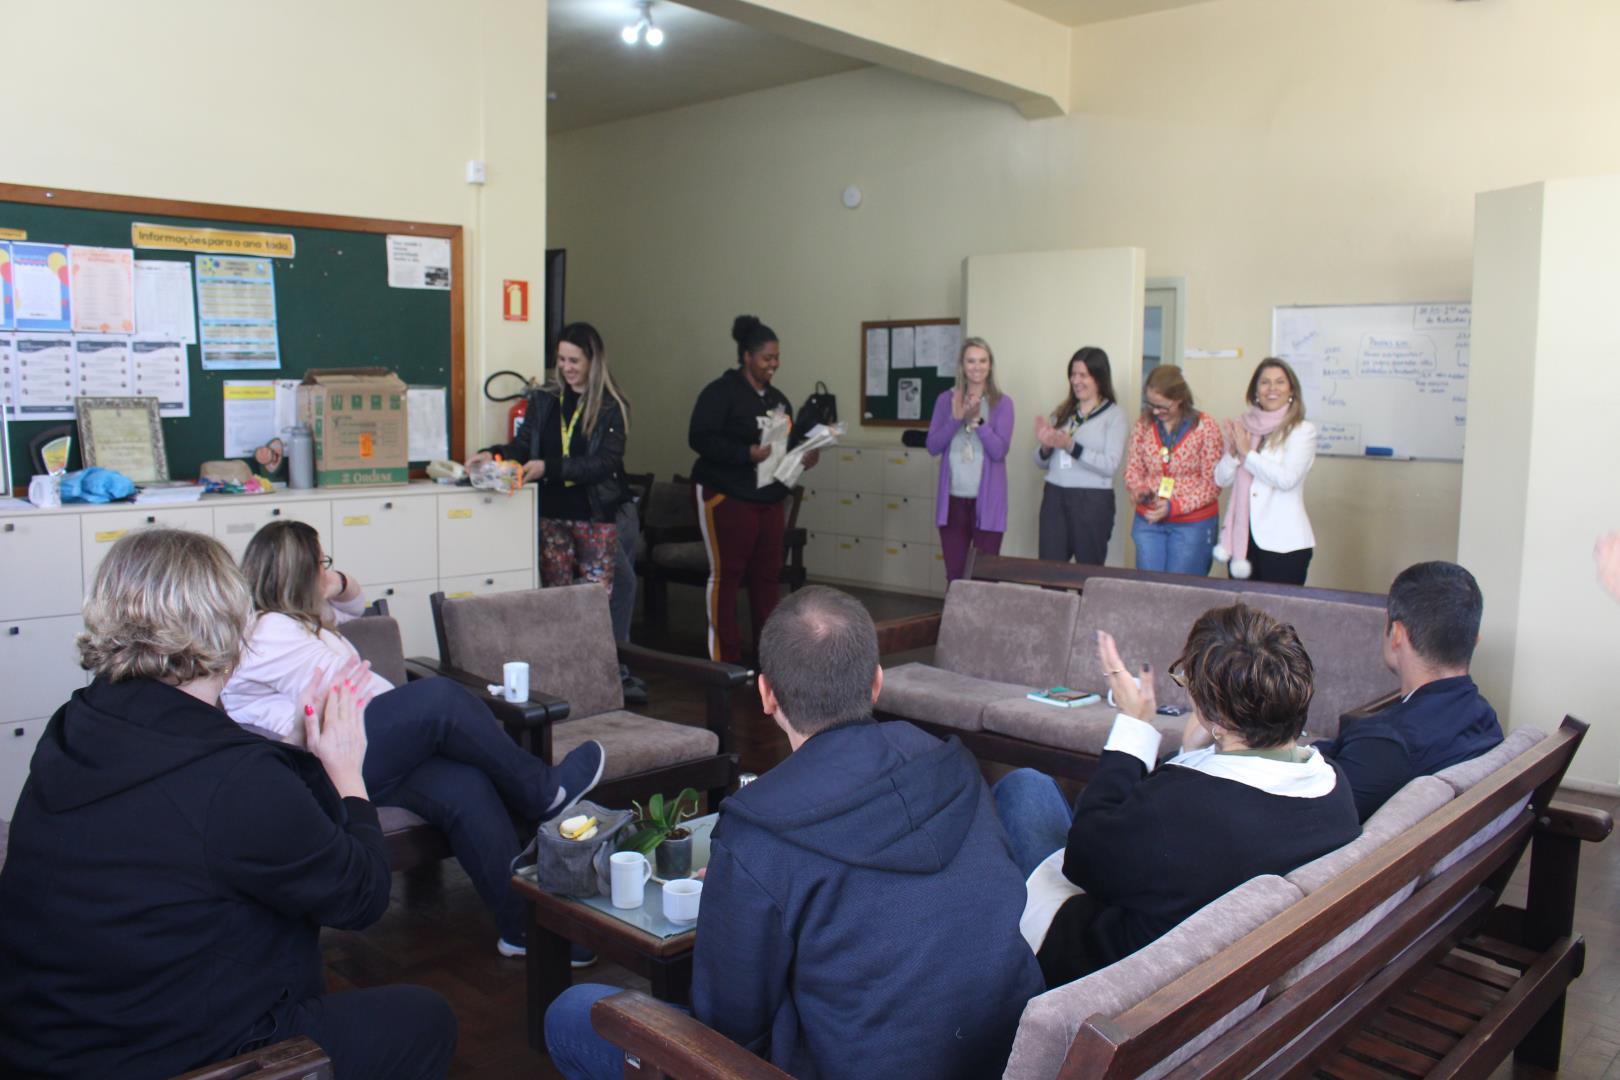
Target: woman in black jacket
169, 873
571, 442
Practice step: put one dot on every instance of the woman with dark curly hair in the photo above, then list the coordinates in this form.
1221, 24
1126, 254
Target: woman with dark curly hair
1149, 844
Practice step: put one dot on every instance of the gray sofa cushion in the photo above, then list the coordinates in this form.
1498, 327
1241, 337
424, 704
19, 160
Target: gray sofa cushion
927, 693
376, 638
1408, 806
634, 743
1051, 1020
1007, 633
1346, 644
1465, 775
564, 633
692, 556
1083, 730
1148, 619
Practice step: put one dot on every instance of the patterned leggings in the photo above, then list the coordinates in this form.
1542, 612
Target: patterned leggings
575, 551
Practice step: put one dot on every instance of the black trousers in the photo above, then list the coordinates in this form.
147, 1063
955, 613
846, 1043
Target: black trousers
1284, 568
383, 1033
1076, 523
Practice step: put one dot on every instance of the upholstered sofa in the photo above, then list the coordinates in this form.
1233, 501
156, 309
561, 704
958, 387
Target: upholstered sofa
997, 640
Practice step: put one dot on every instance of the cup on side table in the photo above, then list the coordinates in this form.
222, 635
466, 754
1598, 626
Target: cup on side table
681, 899
629, 872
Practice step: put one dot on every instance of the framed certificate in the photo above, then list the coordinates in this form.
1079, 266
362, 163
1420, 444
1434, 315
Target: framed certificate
123, 434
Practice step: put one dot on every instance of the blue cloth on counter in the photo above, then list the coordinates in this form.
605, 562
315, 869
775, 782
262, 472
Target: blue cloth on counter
96, 485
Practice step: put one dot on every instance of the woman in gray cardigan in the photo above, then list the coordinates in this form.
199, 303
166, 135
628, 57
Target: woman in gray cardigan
1081, 447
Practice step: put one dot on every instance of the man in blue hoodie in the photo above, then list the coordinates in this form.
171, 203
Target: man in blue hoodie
1442, 719
860, 910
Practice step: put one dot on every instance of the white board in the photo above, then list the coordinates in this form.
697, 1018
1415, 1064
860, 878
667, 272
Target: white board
1381, 380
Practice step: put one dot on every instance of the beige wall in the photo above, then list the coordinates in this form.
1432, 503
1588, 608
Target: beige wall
366, 107
1270, 151
1532, 507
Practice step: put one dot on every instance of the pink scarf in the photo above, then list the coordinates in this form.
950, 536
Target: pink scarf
1235, 529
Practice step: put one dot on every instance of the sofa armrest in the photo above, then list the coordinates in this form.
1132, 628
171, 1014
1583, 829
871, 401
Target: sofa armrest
1581, 822
541, 709
910, 632
692, 668
667, 1042
293, 1059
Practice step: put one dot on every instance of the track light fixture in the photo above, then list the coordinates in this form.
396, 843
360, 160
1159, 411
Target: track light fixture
643, 29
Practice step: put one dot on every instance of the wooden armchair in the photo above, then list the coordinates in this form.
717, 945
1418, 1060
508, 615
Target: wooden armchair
566, 637
674, 544
294, 1059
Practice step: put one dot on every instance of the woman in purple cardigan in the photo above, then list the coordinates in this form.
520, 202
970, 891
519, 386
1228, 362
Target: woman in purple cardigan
970, 432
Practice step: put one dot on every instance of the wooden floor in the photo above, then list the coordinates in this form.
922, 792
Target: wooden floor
436, 932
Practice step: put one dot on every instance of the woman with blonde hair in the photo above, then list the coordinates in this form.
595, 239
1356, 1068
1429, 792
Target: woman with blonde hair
435, 749
169, 873
571, 441
1269, 452
970, 432
1170, 474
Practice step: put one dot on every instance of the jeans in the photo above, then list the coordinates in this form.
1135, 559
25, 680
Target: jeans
576, 1050
435, 750
622, 600
1181, 547
959, 534
384, 1033
1035, 814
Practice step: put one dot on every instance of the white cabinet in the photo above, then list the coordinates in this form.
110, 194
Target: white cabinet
410, 604
99, 532
871, 519
235, 525
43, 575
484, 584
39, 658
386, 539
479, 530
17, 742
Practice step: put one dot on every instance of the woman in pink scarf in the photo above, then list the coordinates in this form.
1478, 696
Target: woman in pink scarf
1266, 534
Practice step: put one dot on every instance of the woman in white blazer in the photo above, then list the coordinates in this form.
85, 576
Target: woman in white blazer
1266, 534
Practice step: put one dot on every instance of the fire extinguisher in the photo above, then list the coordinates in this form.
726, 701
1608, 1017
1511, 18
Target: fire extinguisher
519, 400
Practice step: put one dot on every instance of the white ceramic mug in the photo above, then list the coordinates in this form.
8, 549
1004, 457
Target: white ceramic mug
681, 898
515, 685
629, 871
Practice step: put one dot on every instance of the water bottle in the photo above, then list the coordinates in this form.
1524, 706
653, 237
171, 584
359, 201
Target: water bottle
300, 457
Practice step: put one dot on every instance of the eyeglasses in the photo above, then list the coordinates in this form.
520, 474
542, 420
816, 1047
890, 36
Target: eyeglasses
1157, 410
326, 562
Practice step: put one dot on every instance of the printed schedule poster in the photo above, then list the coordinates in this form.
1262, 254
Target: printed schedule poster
103, 289
236, 313
40, 292
47, 377
8, 313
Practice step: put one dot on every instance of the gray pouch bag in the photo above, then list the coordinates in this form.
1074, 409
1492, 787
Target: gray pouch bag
574, 867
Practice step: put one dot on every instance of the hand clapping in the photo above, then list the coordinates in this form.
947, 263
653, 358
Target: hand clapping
1128, 698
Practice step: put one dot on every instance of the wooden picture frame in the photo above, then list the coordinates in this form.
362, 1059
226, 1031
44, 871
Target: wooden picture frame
124, 434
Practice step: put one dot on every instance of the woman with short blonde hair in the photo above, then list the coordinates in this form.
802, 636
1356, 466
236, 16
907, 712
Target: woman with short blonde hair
169, 873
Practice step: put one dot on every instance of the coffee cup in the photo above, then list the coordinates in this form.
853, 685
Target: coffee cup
515, 681
681, 898
628, 872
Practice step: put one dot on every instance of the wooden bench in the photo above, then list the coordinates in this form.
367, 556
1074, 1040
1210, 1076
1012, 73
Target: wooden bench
1447, 981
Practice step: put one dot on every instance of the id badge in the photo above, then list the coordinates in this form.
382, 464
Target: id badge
1167, 486
1064, 459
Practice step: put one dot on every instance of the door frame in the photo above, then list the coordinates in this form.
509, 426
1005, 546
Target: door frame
1174, 352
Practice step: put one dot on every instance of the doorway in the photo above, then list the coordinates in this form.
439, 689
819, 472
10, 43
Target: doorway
1164, 318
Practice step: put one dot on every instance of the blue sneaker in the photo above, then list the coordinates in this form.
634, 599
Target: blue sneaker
577, 774
580, 957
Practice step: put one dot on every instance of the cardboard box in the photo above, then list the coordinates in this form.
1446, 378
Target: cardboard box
358, 419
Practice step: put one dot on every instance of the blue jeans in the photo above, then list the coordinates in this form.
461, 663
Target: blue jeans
576, 1050
1035, 814
1183, 547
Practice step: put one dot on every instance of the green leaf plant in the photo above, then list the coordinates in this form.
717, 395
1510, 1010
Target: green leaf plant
661, 819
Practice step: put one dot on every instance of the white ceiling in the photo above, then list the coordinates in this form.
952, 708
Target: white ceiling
1078, 12
597, 78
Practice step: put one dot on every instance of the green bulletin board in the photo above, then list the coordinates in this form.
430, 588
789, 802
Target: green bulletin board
334, 306
905, 365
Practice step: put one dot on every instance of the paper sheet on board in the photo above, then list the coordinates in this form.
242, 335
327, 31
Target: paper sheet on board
160, 370
236, 313
903, 348
427, 436
103, 289
910, 407
164, 307
418, 262
47, 377
877, 362
250, 416
103, 363
40, 293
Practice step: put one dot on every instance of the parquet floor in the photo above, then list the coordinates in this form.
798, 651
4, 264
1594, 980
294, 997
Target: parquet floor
436, 932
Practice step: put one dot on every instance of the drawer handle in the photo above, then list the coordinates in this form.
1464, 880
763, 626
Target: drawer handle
11, 526
388, 506
488, 499
276, 512
14, 631
150, 520
18, 732
388, 592
489, 581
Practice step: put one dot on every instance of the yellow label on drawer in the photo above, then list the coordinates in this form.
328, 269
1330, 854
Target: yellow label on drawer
846, 547
897, 461
358, 519
894, 506
109, 535
846, 502
457, 515
892, 551
458, 595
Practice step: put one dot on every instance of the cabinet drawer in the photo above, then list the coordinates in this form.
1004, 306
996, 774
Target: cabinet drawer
820, 555
39, 665
860, 470
100, 532
410, 606
819, 510
483, 584
480, 531
936, 570
859, 515
234, 526
904, 566
44, 575
385, 539
17, 742
909, 518
910, 472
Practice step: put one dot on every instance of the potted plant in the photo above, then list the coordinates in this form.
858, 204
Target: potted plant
660, 832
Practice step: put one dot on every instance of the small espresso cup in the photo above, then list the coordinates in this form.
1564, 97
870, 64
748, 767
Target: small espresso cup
515, 681
629, 871
681, 899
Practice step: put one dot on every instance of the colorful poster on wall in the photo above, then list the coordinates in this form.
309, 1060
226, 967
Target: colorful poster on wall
40, 290
236, 313
103, 282
8, 313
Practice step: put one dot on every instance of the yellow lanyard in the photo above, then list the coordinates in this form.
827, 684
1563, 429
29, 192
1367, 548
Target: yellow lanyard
568, 430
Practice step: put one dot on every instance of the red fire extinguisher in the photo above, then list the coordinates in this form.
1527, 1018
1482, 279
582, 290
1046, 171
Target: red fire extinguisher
519, 400
514, 417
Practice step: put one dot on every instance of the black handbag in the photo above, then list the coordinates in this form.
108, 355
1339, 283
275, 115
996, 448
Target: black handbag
821, 407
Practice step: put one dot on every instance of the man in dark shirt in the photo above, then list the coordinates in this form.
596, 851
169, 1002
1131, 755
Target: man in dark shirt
1441, 719
860, 910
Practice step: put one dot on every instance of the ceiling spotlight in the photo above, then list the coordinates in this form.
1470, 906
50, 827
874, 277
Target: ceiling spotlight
643, 28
